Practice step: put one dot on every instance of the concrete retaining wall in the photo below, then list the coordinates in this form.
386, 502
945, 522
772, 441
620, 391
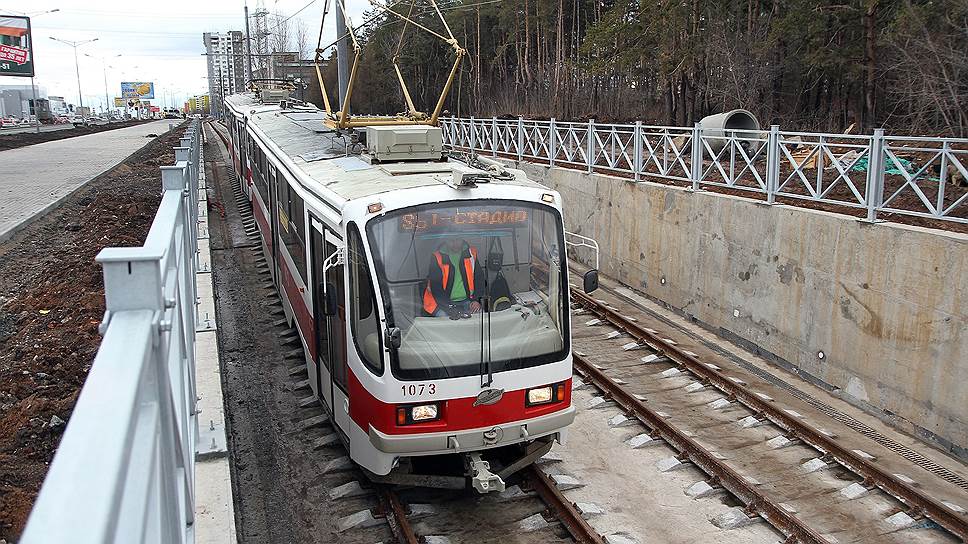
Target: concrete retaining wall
886, 304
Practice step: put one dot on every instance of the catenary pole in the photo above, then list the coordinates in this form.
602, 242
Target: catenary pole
248, 45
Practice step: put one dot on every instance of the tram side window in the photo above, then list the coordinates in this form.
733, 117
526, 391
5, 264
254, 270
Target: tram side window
297, 233
263, 177
257, 172
364, 323
289, 221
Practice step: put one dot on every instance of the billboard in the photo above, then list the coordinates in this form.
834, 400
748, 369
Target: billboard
16, 49
119, 102
137, 89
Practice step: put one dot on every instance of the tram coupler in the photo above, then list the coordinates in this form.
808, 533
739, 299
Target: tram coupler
482, 479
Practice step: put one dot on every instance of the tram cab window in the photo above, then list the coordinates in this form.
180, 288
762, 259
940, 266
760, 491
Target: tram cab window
291, 223
472, 285
364, 322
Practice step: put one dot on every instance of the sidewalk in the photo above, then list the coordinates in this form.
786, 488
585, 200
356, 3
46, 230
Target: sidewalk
35, 178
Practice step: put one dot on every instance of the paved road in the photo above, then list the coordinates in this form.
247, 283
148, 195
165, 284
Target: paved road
33, 178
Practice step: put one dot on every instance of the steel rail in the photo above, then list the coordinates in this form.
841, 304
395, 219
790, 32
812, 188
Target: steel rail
917, 502
396, 516
795, 529
564, 510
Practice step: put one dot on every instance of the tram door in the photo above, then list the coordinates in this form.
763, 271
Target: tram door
336, 295
328, 372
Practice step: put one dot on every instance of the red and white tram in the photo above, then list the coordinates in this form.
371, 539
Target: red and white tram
431, 296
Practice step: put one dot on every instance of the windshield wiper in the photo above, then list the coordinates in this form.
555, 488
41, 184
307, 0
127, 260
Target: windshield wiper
487, 376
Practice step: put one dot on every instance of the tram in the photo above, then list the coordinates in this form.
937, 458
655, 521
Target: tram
430, 293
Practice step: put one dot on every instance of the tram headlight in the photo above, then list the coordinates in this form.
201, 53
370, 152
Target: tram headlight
424, 412
417, 414
546, 394
540, 395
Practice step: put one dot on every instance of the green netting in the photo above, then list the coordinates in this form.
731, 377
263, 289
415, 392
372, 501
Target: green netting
890, 167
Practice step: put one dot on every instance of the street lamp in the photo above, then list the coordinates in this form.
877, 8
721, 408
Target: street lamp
75, 45
104, 66
33, 13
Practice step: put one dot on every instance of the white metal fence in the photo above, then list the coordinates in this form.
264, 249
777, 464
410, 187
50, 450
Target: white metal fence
124, 470
877, 173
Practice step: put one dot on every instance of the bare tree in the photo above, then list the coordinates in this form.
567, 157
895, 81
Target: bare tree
303, 39
280, 32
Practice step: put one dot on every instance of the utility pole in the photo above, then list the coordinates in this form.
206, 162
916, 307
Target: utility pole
77, 68
221, 93
104, 66
248, 45
261, 35
342, 53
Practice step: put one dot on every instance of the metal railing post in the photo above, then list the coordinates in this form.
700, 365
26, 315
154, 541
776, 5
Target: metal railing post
520, 138
637, 149
772, 163
874, 194
695, 166
590, 156
553, 143
473, 138
494, 136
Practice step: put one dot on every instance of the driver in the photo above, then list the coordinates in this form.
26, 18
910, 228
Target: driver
454, 282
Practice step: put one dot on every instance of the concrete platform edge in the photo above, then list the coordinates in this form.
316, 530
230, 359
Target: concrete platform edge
214, 502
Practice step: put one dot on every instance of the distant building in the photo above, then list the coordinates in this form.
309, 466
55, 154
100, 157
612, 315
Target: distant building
225, 52
16, 100
198, 104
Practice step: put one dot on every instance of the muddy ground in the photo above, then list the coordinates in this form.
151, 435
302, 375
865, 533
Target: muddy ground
13, 141
51, 302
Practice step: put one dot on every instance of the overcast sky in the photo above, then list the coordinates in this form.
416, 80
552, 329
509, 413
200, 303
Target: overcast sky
159, 42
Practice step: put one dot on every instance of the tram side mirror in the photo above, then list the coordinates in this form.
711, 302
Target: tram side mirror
391, 337
331, 302
590, 281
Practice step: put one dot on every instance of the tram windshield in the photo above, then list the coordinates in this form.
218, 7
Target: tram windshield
474, 287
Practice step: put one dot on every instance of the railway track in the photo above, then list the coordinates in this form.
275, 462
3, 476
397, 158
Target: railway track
694, 406
558, 506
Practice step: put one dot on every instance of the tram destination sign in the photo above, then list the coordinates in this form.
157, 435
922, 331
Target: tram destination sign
16, 47
456, 219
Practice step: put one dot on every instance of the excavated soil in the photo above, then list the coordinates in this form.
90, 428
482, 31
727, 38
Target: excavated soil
22, 139
51, 302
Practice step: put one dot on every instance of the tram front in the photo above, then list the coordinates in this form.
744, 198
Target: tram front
476, 328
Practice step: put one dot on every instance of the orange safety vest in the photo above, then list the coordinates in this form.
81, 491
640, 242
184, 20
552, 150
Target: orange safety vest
447, 280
